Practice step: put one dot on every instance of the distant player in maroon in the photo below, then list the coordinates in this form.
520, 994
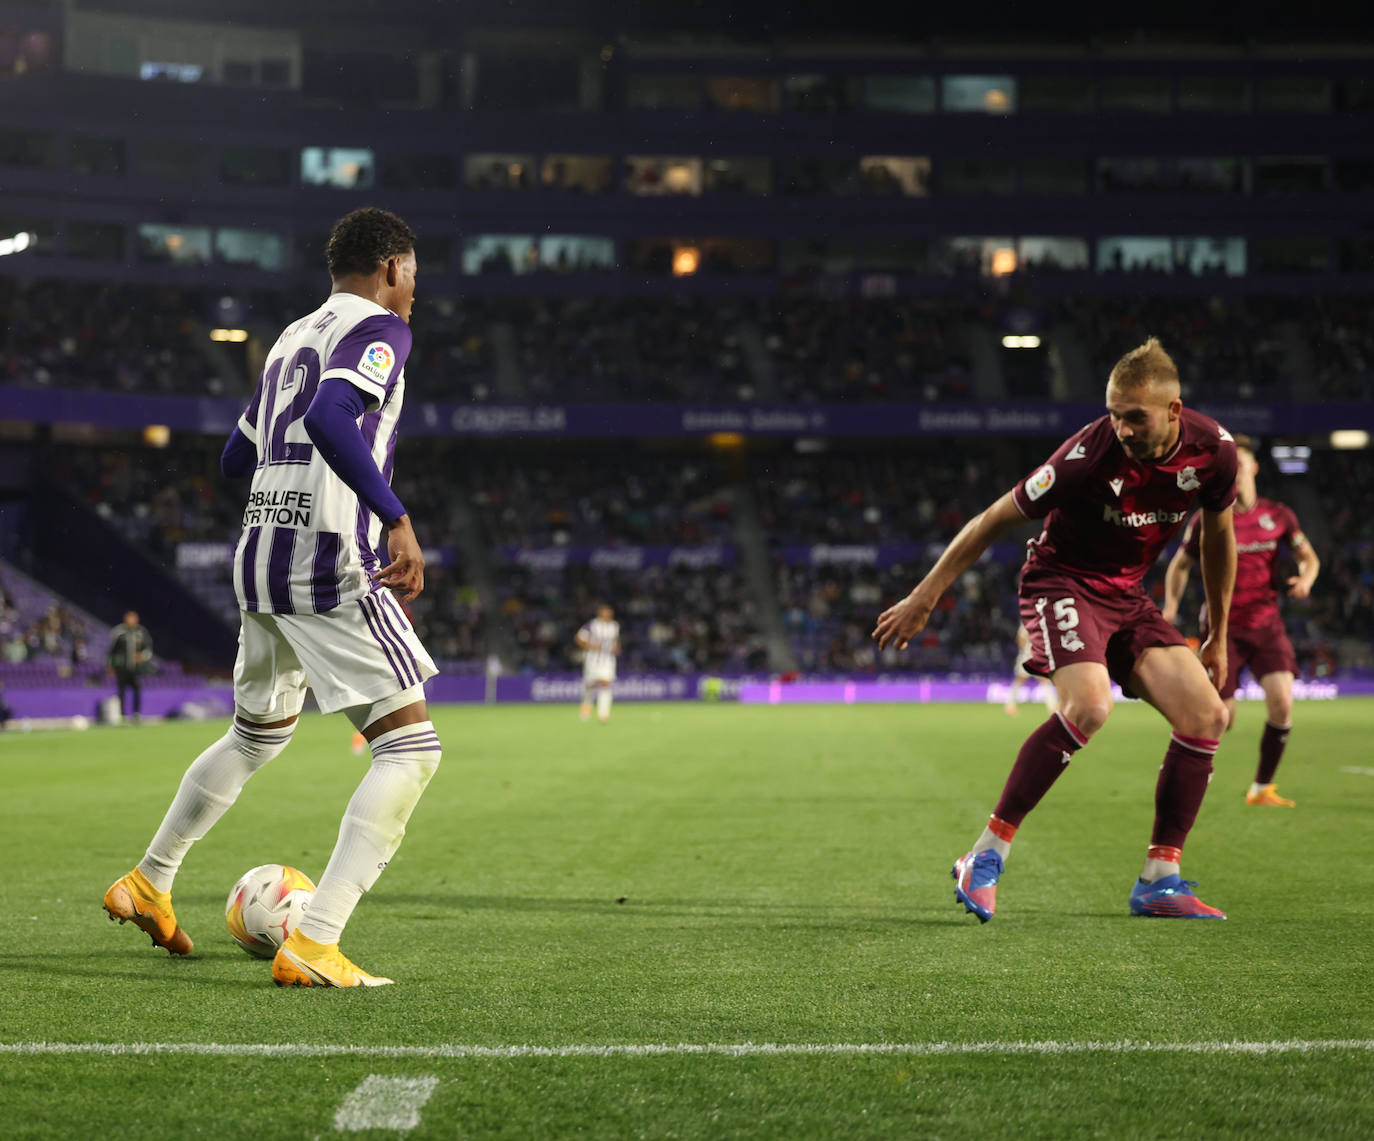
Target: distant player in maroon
1111, 497
1264, 530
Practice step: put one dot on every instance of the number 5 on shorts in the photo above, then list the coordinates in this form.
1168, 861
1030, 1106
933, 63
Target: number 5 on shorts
1066, 619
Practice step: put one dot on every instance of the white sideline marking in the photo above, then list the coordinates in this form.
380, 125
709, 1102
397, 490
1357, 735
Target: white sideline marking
1356, 770
384, 1103
668, 1049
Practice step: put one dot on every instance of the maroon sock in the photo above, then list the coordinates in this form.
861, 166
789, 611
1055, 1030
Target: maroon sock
1272, 744
1181, 786
1044, 755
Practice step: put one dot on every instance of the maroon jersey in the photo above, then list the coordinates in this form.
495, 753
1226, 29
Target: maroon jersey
1107, 516
1260, 532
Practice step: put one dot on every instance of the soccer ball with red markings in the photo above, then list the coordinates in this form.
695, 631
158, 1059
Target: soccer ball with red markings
265, 906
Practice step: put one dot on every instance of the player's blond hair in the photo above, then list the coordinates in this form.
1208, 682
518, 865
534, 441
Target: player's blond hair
1147, 364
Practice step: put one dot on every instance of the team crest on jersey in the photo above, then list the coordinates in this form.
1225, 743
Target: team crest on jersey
377, 360
1188, 480
1267, 521
1040, 483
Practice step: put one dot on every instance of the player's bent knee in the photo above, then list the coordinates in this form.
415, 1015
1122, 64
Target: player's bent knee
1209, 721
1087, 716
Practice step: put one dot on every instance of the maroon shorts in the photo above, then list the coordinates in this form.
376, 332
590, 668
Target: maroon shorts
1070, 622
1264, 649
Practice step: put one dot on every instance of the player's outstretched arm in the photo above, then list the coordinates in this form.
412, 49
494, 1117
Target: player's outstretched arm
1300, 585
898, 624
404, 576
1176, 583
1217, 545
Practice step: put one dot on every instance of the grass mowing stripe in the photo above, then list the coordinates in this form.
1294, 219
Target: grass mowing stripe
669, 1049
384, 1103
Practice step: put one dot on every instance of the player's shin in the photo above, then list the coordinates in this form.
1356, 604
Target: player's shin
1183, 780
210, 786
403, 760
1044, 755
603, 702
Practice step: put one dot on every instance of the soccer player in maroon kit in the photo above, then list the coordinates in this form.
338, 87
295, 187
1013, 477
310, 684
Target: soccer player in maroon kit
1257, 636
1111, 496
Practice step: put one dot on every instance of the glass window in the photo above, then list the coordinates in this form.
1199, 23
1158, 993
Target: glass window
574, 253
816, 255
907, 175
583, 174
1295, 93
1144, 94
990, 94
97, 241
1210, 257
739, 176
1355, 94
95, 154
431, 253
960, 175
1134, 255
819, 93
1052, 255
500, 253
170, 72
42, 231
983, 256
736, 255
1054, 176
663, 92
419, 172
818, 176
1053, 93
180, 245
1295, 175
895, 255
652, 175
1291, 255
344, 168
900, 94
27, 148
1199, 93
274, 72
255, 166
498, 171
742, 92
170, 160
1354, 175
1205, 175
260, 248
509, 81
25, 53
662, 257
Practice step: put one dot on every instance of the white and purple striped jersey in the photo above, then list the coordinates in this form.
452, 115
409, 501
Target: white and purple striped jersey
601, 636
308, 543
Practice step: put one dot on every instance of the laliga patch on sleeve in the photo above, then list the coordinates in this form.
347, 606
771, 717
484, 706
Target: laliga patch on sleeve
376, 361
1040, 483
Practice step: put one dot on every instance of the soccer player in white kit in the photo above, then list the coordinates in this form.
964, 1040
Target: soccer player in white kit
317, 607
599, 641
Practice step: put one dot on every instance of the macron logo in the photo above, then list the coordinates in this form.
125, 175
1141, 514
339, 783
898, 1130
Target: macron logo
1116, 486
1140, 518
1079, 452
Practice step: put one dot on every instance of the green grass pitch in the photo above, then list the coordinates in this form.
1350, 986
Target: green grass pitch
708, 874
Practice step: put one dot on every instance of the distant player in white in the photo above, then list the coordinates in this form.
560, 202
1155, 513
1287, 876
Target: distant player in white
317, 607
1020, 677
599, 641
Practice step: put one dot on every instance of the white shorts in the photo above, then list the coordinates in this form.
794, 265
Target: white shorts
356, 654
599, 673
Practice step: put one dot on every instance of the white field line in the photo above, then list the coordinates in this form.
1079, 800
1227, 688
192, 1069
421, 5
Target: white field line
384, 1103
1357, 770
685, 1049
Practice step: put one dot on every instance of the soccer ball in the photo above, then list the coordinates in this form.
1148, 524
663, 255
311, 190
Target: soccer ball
265, 906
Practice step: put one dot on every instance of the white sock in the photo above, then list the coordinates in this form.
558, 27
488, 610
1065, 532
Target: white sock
210, 786
603, 702
990, 839
1157, 870
403, 760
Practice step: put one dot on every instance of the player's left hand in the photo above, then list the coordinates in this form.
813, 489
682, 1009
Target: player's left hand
1298, 588
404, 576
1213, 658
898, 624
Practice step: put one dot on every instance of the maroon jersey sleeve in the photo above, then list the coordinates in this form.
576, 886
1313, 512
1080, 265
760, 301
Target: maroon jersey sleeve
1056, 480
1219, 490
1192, 538
1292, 529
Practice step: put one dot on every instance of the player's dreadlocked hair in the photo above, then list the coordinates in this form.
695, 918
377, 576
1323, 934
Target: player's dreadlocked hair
1145, 364
365, 239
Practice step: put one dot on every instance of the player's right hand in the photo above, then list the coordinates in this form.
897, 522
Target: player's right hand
898, 624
